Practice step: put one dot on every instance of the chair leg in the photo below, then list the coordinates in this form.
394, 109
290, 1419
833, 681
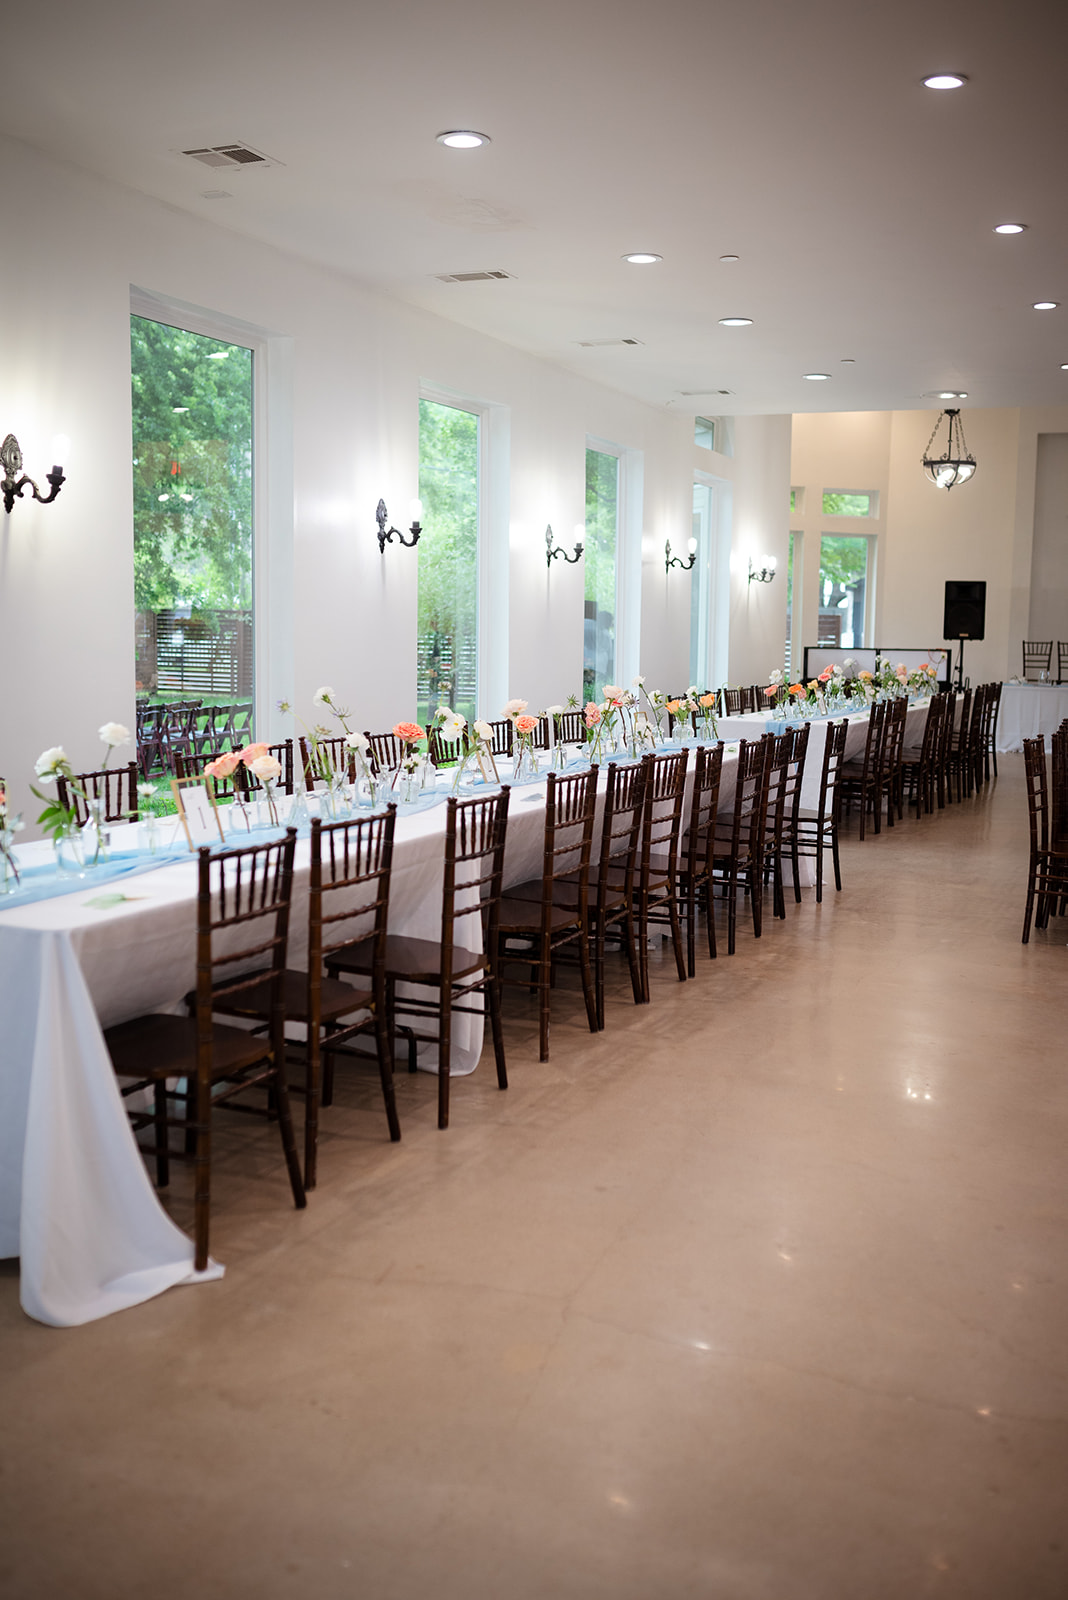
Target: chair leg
588, 989
642, 941
598, 970
312, 1094
384, 1051
819, 864
492, 992
836, 859
691, 930
544, 980
201, 1173
796, 861
676, 935
444, 1057
627, 927
163, 1154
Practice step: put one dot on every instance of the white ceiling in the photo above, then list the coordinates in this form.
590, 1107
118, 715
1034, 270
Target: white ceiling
794, 133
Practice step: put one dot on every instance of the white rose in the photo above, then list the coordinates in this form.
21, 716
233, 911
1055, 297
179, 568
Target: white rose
514, 708
267, 768
612, 691
50, 764
775, 676
484, 731
323, 696
360, 742
554, 711
113, 733
639, 681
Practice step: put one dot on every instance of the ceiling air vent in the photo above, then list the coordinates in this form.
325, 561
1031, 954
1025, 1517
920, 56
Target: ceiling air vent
600, 344
696, 394
471, 277
230, 155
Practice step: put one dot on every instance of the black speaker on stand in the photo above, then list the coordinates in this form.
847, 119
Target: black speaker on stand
964, 617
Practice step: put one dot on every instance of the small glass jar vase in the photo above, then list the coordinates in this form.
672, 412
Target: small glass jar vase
96, 834
9, 872
559, 761
524, 763
70, 854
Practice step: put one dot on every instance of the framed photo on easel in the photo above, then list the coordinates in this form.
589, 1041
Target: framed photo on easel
197, 812
486, 764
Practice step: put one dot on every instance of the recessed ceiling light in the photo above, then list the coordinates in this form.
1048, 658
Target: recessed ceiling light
1064, 366
1011, 227
463, 139
730, 258
945, 394
816, 377
736, 322
945, 80
849, 361
642, 258
1046, 305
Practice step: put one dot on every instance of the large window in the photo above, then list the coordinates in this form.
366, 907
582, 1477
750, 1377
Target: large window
601, 544
850, 503
792, 568
447, 672
192, 483
844, 583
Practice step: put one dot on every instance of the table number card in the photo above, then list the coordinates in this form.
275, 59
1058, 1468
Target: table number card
486, 765
198, 812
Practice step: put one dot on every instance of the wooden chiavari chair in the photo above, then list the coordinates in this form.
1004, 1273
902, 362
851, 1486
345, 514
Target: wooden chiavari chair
539, 925
1037, 655
818, 830
243, 905
739, 840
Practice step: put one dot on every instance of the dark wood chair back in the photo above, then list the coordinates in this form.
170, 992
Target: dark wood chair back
503, 732
1037, 654
446, 752
116, 786
387, 752
734, 701
283, 754
571, 728
329, 753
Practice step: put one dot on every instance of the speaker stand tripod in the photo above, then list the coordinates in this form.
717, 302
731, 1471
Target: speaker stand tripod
960, 662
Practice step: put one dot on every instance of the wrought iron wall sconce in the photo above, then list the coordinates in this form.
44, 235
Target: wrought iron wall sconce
765, 572
13, 485
386, 535
677, 561
551, 553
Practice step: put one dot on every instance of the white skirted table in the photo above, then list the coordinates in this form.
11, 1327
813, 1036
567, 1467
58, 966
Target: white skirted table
1028, 709
76, 1201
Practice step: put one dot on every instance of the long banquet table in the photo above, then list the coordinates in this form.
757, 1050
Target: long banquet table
76, 1200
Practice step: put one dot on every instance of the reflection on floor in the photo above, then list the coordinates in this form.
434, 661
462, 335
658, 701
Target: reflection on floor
760, 1294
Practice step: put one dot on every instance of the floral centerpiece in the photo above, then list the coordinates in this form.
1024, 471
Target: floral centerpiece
408, 735
452, 726
656, 702
706, 712
593, 717
62, 821
10, 823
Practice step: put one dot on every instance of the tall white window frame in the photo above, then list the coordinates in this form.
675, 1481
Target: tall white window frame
272, 488
629, 503
870, 582
711, 598
494, 449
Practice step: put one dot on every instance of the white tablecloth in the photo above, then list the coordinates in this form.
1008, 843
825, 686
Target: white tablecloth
756, 724
1028, 709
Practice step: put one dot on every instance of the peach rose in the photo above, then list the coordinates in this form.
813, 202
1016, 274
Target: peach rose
706, 700
251, 753
222, 766
526, 724
771, 691
673, 706
408, 732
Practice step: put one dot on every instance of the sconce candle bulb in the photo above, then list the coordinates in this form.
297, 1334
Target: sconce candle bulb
13, 484
766, 570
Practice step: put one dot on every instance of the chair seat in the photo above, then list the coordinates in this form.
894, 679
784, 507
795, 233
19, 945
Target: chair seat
157, 1046
523, 916
408, 960
335, 999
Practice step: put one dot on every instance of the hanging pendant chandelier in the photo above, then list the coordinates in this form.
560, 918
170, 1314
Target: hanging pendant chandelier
957, 464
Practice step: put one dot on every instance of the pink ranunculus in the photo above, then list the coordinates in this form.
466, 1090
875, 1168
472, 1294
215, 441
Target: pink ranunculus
408, 732
771, 691
526, 724
251, 753
826, 673
222, 766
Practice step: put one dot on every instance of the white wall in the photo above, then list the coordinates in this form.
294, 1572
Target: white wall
761, 526
345, 370
1048, 618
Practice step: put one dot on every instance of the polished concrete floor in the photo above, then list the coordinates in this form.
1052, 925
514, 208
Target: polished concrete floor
762, 1294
